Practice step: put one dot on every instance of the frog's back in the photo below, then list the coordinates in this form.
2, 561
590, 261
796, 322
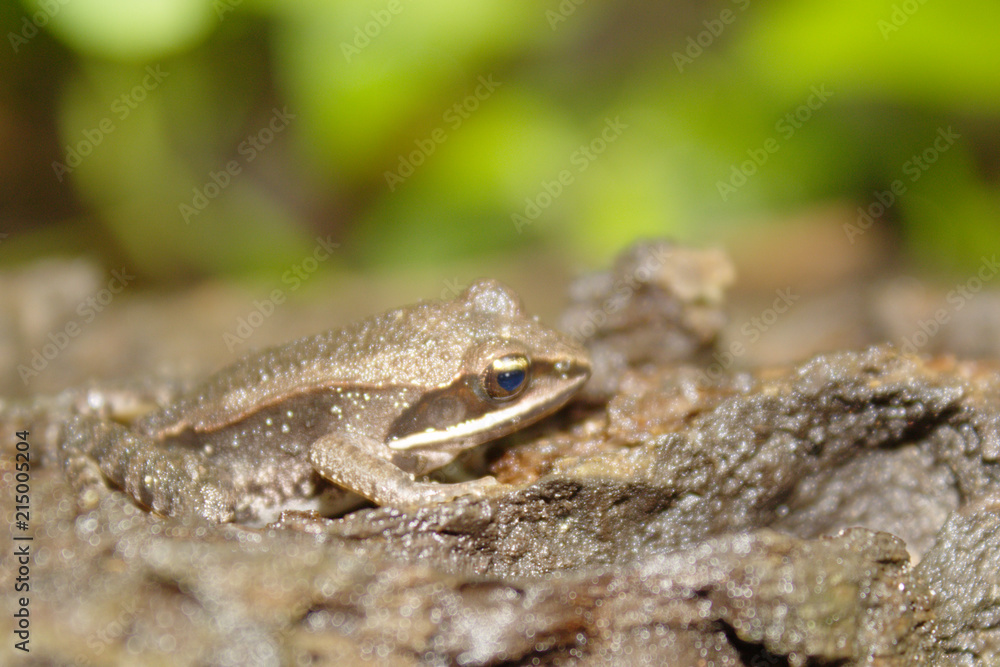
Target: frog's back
419, 345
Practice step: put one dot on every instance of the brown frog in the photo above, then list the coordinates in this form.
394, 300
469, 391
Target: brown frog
367, 408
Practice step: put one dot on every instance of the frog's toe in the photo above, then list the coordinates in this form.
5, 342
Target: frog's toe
478, 488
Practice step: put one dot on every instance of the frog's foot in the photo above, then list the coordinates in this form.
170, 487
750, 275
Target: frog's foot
85, 479
359, 470
416, 494
95, 452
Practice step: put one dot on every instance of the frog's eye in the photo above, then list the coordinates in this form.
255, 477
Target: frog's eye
506, 377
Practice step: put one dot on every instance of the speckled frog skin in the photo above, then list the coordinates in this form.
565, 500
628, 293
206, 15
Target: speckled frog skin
366, 408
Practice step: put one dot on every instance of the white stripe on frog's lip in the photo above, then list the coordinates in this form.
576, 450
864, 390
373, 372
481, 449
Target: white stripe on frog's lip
490, 425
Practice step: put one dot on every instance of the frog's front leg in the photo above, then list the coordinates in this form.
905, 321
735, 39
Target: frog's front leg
169, 481
362, 465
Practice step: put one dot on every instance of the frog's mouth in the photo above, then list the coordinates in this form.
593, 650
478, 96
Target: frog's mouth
454, 420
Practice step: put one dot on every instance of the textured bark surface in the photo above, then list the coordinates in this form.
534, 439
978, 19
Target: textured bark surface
841, 510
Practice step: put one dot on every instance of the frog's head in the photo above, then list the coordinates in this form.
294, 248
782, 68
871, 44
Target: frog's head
504, 370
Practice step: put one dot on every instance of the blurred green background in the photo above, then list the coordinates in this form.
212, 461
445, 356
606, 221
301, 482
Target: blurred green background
197, 138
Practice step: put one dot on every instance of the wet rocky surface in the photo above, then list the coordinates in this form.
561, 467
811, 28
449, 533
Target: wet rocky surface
841, 510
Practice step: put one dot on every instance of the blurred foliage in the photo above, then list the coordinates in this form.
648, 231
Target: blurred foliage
200, 137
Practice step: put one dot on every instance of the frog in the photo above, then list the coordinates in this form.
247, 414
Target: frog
360, 412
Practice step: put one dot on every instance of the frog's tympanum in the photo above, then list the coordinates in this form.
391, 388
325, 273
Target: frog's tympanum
366, 408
